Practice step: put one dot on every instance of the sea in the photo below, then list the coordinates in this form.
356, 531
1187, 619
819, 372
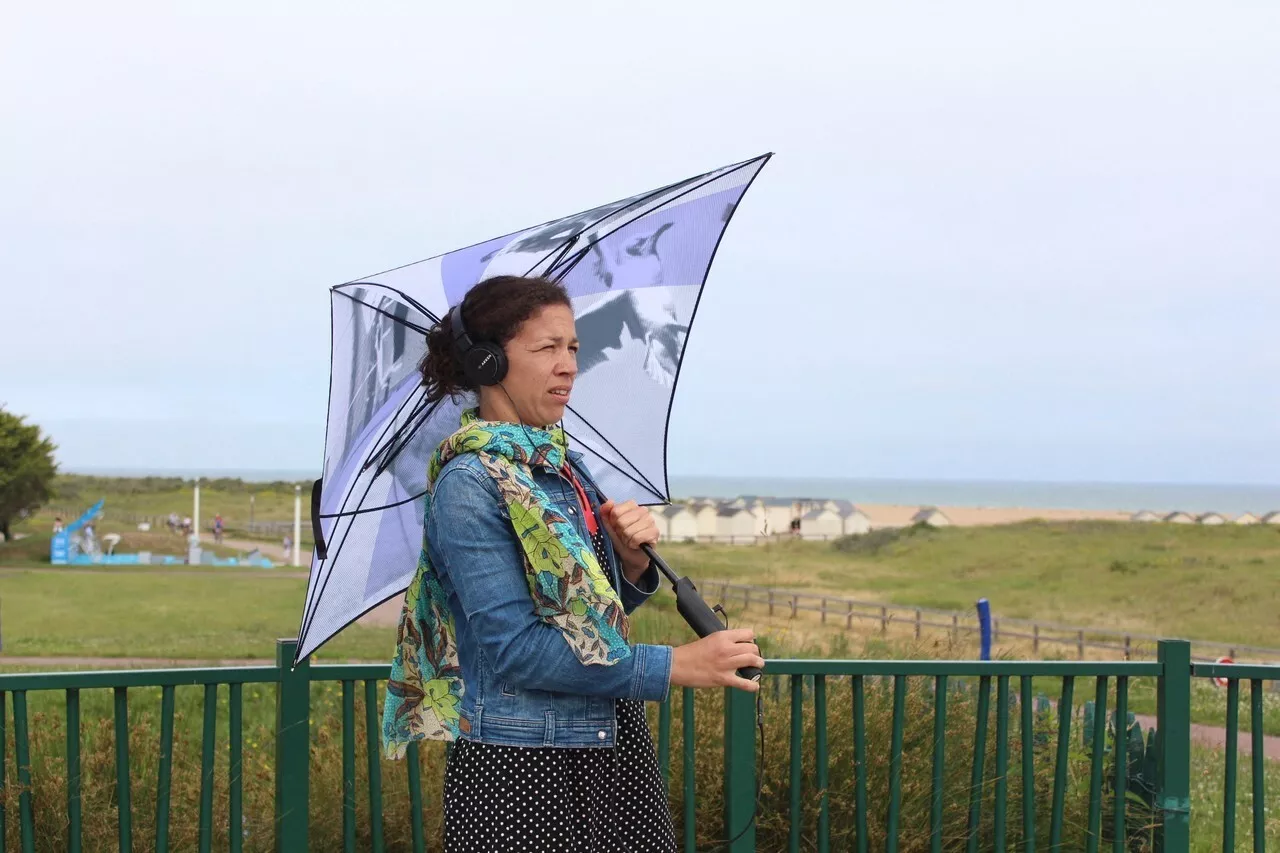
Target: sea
1160, 497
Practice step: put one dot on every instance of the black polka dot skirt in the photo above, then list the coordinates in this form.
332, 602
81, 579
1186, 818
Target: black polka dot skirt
581, 800
531, 799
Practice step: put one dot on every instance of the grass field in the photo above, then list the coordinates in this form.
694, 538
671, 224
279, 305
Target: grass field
1208, 583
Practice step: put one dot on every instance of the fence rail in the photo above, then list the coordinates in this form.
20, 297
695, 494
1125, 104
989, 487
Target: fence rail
1001, 803
1127, 643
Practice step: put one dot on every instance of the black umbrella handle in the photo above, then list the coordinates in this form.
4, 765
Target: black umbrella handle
690, 604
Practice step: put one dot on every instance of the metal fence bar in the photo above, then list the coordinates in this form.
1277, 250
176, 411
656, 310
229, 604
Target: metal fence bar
1229, 780
859, 764
373, 752
1028, 765
349, 766
979, 757
820, 757
235, 767
22, 758
415, 798
4, 760
739, 770
293, 742
939, 762
797, 735
999, 832
688, 739
206, 767
74, 827
895, 762
1097, 748
1259, 767
1060, 764
124, 821
664, 740
1119, 827
164, 781
1173, 771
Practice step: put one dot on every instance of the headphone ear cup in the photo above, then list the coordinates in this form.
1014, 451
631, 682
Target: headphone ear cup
485, 364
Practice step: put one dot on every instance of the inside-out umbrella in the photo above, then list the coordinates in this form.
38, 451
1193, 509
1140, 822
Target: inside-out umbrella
634, 270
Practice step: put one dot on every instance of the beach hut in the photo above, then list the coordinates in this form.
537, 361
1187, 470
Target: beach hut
853, 521
735, 524
1271, 518
1211, 519
705, 515
821, 523
1145, 516
682, 523
774, 515
659, 516
1180, 517
931, 516
1246, 518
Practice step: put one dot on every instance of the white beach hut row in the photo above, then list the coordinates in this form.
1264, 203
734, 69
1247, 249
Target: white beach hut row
1211, 519
749, 518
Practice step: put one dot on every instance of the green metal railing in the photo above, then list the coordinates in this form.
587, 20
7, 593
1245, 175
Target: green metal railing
1000, 807
1256, 676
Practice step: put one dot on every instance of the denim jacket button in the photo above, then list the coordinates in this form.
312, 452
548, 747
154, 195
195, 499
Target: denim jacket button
600, 735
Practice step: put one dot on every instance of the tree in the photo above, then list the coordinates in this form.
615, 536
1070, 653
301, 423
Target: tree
27, 469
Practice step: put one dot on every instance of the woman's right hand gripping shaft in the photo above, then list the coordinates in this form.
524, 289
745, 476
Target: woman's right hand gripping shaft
714, 660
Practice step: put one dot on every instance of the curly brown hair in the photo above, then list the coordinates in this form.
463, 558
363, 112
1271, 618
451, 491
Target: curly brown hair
493, 311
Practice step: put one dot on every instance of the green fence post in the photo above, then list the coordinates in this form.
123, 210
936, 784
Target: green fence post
739, 770
293, 749
1173, 769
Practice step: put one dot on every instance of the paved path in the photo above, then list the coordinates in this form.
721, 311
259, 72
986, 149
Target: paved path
1216, 737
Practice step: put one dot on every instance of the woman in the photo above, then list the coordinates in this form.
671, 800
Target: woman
514, 639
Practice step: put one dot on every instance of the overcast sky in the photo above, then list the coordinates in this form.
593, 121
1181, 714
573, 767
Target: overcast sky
1014, 241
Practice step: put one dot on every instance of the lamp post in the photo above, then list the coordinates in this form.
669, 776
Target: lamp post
195, 514
297, 525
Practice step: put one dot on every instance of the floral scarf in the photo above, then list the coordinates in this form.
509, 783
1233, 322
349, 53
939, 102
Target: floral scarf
569, 589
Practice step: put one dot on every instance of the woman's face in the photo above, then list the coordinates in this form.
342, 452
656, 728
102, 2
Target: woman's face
542, 365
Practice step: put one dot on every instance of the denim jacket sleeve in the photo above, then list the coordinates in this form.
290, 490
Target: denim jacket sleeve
472, 542
633, 595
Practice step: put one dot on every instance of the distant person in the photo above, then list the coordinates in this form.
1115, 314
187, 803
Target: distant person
186, 525
57, 524
173, 522
288, 546
217, 529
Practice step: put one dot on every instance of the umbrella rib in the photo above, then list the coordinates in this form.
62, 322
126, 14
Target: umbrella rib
413, 303
643, 481
408, 436
313, 601
665, 203
378, 508
396, 436
401, 320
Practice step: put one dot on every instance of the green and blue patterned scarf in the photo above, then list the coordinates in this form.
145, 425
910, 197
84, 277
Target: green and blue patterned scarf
568, 588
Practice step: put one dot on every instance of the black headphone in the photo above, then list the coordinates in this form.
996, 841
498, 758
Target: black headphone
483, 363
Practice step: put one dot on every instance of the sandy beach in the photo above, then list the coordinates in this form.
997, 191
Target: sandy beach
899, 515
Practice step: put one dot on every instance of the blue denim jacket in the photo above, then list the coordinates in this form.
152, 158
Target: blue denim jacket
523, 684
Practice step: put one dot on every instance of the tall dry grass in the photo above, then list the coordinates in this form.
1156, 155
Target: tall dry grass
101, 797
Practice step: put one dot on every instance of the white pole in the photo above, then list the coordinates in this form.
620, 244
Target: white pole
297, 525
195, 514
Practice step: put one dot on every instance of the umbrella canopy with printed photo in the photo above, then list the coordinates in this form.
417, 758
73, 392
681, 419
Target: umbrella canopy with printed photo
634, 271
